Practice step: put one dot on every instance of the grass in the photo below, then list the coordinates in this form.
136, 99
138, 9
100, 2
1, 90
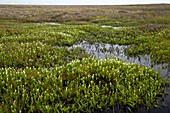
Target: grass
146, 39
109, 15
40, 74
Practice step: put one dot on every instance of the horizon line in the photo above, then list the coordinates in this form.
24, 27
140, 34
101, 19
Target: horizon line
82, 4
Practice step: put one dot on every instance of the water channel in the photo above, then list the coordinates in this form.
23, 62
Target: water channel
102, 50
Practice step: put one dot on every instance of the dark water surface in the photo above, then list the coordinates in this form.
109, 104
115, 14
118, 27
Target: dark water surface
102, 50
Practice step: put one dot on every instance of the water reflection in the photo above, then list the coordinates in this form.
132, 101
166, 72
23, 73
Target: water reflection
102, 50
49, 23
105, 26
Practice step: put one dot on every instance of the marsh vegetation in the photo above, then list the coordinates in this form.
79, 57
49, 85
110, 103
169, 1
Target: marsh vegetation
113, 57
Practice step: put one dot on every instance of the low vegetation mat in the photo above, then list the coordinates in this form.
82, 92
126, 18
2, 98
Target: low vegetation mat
81, 86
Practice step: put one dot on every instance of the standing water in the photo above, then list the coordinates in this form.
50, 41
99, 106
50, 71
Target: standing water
102, 50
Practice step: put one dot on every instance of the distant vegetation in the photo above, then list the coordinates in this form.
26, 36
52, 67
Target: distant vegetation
109, 15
